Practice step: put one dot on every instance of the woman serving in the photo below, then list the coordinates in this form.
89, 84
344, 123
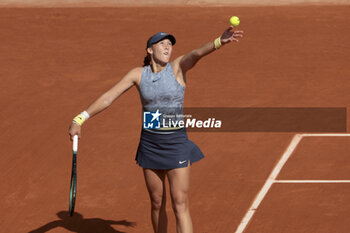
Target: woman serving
164, 152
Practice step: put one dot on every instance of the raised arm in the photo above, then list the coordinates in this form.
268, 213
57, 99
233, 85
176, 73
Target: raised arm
188, 61
106, 99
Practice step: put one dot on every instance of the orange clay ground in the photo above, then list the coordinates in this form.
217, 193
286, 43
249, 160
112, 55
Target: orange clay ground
54, 62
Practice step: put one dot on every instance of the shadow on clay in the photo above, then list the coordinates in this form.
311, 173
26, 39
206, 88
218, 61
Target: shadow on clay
77, 223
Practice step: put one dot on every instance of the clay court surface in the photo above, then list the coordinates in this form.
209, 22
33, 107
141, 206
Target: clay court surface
54, 62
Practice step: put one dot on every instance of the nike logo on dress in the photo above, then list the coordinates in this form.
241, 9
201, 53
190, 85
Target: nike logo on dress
182, 162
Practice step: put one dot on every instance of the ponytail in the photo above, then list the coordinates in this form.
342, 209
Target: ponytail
147, 60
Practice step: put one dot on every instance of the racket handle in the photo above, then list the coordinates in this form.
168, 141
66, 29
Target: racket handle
75, 143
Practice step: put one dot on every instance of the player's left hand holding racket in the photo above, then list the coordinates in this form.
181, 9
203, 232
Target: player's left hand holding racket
73, 181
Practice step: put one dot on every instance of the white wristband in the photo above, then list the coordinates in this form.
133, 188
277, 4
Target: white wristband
85, 114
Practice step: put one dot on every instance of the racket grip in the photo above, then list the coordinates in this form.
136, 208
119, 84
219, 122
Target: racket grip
75, 143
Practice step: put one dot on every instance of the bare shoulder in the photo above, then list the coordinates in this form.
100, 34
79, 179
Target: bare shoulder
136, 71
134, 75
176, 65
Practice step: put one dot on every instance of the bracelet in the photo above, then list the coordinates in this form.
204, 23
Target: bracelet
81, 118
217, 43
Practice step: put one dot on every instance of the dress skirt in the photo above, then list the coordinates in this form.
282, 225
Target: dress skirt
165, 150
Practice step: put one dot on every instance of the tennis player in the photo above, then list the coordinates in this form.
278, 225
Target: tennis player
165, 152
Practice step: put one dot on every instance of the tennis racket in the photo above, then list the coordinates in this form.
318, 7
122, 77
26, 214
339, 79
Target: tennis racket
73, 180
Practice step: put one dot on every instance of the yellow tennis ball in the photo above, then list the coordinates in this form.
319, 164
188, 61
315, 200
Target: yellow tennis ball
234, 20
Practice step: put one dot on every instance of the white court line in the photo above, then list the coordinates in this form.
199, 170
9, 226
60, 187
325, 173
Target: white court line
258, 199
311, 181
277, 169
326, 135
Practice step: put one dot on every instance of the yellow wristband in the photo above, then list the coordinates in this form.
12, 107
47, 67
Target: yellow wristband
80, 119
217, 43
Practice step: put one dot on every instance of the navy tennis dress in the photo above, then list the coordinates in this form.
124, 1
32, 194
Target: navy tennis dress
164, 149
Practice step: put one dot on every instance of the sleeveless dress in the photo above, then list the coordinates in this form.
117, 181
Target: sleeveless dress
171, 148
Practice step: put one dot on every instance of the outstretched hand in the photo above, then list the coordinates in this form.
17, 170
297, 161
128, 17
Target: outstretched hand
229, 35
